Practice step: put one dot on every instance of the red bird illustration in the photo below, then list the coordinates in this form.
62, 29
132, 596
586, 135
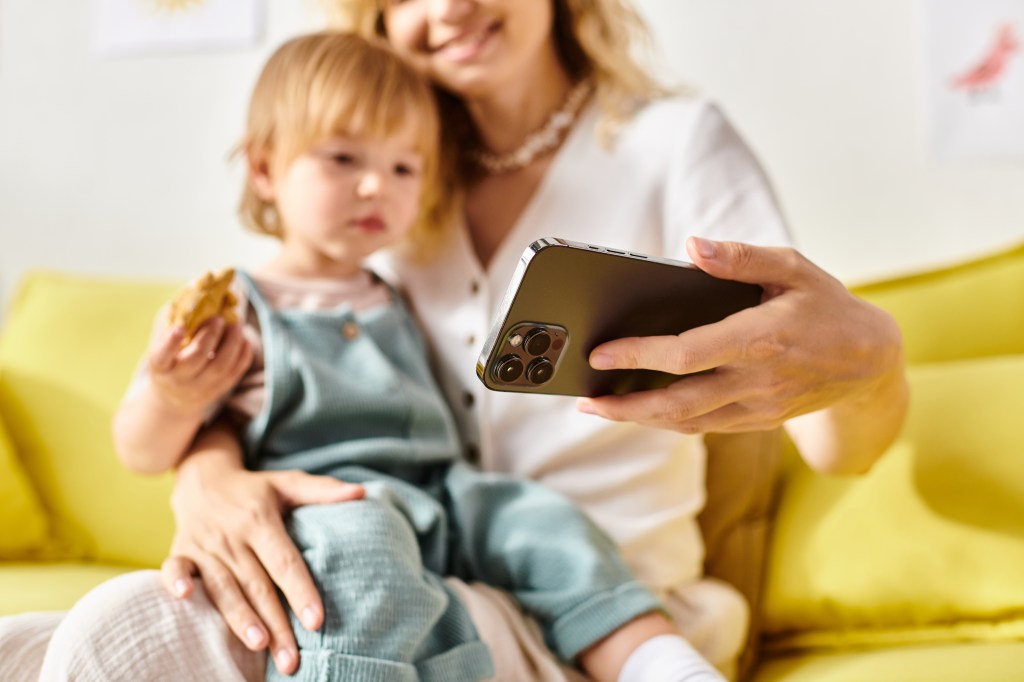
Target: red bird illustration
992, 67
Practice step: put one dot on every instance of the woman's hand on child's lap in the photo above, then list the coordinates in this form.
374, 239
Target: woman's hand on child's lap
193, 377
234, 537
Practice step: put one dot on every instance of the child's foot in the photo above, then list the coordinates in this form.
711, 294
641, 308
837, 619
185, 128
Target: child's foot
668, 658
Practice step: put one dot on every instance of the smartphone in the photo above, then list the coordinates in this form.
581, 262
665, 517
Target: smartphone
566, 298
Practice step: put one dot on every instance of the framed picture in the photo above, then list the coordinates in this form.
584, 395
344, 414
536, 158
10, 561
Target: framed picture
148, 26
975, 78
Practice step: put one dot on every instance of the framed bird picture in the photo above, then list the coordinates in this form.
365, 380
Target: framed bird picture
975, 78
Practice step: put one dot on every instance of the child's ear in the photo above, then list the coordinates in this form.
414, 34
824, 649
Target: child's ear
259, 176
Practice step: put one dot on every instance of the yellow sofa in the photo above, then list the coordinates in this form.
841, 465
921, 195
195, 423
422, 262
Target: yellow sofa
909, 573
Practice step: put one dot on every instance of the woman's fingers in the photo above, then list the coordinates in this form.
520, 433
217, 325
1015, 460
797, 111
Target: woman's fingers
262, 596
176, 575
274, 550
767, 266
736, 338
296, 488
227, 597
694, 404
277, 553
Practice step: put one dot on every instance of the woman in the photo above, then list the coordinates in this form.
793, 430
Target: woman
562, 136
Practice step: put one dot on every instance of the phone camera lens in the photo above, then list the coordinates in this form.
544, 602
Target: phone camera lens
537, 342
508, 369
540, 371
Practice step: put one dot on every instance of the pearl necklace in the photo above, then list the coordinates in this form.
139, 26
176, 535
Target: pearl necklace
540, 141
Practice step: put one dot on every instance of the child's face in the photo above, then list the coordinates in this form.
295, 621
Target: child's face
345, 198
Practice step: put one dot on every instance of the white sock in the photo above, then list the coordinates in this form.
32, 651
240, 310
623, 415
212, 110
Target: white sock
668, 658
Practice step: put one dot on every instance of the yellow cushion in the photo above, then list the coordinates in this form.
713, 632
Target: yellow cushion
977, 662
23, 526
935, 533
68, 350
966, 310
49, 586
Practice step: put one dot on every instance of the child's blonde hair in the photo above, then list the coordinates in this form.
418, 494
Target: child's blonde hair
333, 83
595, 39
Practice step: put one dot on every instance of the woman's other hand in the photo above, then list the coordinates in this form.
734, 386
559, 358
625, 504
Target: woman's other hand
811, 355
231, 532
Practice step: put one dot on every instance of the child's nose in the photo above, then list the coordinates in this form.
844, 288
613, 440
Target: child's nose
369, 184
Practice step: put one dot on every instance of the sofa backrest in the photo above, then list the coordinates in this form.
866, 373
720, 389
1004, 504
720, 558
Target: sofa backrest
926, 547
68, 349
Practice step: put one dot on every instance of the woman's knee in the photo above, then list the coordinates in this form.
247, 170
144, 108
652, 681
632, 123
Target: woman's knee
100, 622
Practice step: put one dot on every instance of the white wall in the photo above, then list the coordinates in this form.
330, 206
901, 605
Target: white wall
831, 95
119, 165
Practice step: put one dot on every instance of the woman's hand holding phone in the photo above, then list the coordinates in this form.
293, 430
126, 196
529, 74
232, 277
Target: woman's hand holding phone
809, 345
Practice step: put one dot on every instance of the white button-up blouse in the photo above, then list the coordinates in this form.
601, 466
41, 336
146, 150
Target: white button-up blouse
676, 169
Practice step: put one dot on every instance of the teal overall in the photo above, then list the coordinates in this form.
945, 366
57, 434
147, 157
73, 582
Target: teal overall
363, 406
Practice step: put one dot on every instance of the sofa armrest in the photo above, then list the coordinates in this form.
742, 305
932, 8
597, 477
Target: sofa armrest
742, 475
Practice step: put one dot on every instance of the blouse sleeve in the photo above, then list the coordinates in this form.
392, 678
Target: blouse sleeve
717, 189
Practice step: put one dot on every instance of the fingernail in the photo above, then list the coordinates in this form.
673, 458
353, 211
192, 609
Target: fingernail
601, 361
254, 635
284, 659
309, 617
180, 587
585, 406
705, 248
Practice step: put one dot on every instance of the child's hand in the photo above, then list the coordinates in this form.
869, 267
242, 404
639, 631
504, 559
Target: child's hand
193, 377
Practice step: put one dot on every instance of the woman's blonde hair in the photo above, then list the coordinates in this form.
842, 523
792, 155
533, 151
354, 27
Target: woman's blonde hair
331, 83
595, 39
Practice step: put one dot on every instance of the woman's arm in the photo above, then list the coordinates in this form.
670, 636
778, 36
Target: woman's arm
230, 530
812, 356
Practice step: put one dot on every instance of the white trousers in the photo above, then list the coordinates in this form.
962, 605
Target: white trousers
130, 629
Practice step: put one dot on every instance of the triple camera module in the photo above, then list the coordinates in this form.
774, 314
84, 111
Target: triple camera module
529, 354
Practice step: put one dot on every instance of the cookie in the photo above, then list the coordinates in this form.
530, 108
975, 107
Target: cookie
210, 296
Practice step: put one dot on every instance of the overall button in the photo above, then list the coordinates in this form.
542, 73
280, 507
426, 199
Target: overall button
474, 287
350, 330
470, 340
468, 399
472, 453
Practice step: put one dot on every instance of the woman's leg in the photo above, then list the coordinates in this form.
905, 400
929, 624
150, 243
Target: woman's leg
23, 642
711, 615
130, 629
515, 640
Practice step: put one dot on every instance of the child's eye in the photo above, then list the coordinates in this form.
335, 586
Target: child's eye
344, 159
404, 170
